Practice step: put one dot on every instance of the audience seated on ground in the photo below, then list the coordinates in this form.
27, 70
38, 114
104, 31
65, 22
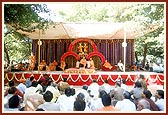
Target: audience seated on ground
147, 96
159, 99
48, 105
143, 105
80, 104
106, 100
126, 103
14, 103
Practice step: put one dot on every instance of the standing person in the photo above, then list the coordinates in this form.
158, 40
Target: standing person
147, 66
151, 66
32, 61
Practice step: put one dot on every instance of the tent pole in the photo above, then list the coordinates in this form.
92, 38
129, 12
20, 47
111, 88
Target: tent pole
124, 45
39, 50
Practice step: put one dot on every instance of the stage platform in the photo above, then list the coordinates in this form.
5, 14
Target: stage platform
78, 79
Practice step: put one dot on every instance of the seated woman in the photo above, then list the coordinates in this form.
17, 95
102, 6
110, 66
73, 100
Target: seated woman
107, 66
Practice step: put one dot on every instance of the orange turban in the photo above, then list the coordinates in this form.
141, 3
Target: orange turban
22, 80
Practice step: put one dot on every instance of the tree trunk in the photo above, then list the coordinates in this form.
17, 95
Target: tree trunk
145, 52
136, 56
7, 54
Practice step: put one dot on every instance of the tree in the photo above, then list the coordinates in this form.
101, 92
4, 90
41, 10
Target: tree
23, 17
139, 17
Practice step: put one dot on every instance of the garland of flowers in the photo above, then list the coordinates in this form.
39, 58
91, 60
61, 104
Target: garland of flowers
158, 78
59, 77
147, 77
86, 79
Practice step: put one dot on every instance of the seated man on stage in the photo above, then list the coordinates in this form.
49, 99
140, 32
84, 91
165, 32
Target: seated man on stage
83, 62
92, 64
42, 65
107, 66
62, 65
53, 65
120, 65
77, 64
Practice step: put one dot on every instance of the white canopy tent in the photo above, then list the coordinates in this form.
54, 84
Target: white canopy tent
61, 30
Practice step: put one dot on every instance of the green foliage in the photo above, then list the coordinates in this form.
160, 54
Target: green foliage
23, 17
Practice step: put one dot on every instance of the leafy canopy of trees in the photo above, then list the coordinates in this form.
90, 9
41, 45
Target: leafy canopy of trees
21, 17
138, 16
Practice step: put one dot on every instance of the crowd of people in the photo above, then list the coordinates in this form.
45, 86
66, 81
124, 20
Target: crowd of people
47, 95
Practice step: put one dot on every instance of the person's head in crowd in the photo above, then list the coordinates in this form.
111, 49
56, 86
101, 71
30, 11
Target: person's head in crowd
11, 83
80, 96
31, 78
106, 81
34, 84
118, 84
48, 81
22, 80
85, 87
73, 91
141, 76
68, 92
12, 90
40, 109
147, 94
106, 100
138, 84
79, 105
127, 95
94, 81
48, 96
143, 104
123, 81
101, 93
14, 101
64, 79
159, 94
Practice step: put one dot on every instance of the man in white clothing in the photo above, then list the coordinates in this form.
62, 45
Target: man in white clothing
126, 104
120, 65
143, 105
48, 105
